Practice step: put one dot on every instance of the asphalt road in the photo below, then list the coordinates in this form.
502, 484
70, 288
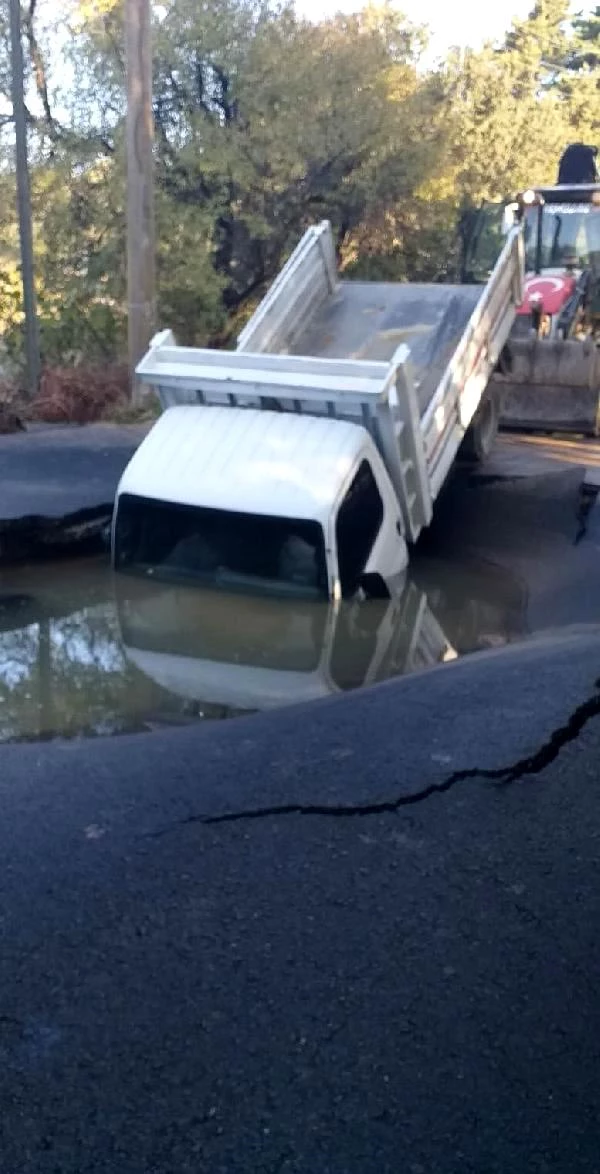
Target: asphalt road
353, 938
59, 472
532, 528
58, 487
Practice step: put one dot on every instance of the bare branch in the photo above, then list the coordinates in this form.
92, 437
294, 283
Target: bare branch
39, 69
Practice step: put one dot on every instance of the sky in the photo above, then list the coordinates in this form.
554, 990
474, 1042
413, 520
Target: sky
462, 22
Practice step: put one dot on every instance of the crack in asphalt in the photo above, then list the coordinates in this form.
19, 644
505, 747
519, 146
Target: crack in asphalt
530, 765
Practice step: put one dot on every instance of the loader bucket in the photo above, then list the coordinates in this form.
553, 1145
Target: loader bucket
553, 386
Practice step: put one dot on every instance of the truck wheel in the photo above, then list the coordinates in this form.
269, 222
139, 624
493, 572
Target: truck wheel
481, 434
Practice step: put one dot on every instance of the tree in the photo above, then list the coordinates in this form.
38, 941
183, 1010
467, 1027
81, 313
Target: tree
265, 123
268, 122
585, 53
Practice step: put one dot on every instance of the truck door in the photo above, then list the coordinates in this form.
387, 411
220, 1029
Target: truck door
359, 520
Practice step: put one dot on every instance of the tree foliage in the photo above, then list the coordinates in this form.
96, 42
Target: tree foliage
266, 122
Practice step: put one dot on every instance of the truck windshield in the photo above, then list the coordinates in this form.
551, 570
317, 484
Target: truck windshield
570, 236
217, 548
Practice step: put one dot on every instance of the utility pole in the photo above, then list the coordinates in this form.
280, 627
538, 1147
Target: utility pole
140, 186
32, 339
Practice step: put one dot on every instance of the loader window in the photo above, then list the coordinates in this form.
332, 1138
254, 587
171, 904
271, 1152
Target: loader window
569, 233
221, 549
358, 523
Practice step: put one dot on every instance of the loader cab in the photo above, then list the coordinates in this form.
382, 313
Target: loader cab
562, 228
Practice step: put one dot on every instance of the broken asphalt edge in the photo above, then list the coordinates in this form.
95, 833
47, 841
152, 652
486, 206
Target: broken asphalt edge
499, 717
35, 536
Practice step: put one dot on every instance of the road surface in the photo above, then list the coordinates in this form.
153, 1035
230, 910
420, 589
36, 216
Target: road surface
359, 937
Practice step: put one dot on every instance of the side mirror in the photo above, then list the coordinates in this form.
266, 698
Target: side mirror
372, 585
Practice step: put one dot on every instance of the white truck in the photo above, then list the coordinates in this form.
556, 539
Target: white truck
303, 463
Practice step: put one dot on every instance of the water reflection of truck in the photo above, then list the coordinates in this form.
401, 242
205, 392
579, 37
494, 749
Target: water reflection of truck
304, 462
479, 604
247, 653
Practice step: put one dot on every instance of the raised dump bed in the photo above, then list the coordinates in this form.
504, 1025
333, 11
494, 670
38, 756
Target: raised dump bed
308, 310
370, 320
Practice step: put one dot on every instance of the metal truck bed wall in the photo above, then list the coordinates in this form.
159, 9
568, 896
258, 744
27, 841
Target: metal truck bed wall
454, 335
370, 320
307, 311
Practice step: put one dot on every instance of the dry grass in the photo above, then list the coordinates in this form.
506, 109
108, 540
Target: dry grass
127, 413
80, 395
76, 395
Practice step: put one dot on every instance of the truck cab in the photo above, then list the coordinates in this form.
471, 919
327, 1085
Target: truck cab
287, 505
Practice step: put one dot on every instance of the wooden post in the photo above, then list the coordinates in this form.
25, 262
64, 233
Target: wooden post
32, 340
140, 187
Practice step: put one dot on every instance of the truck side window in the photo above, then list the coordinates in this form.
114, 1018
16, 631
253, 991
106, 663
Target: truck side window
358, 522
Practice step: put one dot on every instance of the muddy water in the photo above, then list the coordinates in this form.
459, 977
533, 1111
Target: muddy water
83, 654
